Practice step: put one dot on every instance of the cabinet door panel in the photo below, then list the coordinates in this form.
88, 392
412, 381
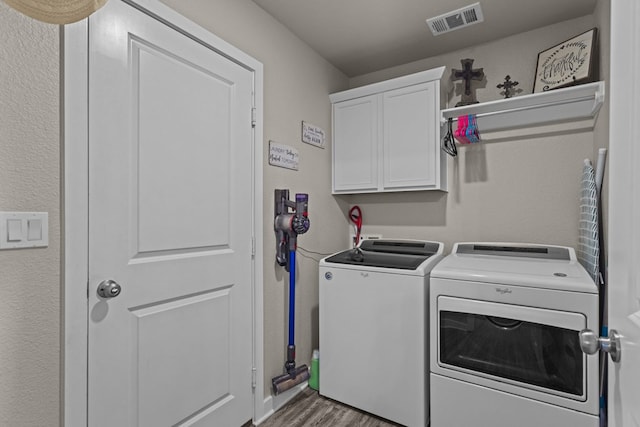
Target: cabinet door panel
355, 145
410, 137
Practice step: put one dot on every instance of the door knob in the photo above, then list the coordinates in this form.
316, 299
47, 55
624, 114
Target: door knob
109, 289
590, 343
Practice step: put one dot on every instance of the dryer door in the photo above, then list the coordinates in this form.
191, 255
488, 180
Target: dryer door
530, 347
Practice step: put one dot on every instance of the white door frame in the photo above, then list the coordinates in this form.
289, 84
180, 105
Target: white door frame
76, 203
623, 249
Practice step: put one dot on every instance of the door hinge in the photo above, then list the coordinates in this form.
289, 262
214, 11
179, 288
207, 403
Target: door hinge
253, 246
253, 117
254, 373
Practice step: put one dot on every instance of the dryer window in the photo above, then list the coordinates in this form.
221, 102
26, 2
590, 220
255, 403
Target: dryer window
540, 355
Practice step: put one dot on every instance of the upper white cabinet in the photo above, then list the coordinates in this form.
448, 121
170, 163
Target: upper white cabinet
355, 145
386, 136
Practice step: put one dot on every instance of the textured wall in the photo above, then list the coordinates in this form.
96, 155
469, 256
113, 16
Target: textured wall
29, 181
520, 185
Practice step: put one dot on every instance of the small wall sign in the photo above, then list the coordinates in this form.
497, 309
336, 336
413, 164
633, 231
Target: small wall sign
283, 156
567, 64
313, 135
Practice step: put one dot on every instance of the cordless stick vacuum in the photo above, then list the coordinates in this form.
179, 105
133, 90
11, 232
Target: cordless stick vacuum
287, 226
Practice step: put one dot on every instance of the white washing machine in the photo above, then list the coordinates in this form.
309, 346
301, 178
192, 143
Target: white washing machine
374, 328
504, 331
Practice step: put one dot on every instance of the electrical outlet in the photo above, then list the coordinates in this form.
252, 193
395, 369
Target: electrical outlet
352, 237
371, 237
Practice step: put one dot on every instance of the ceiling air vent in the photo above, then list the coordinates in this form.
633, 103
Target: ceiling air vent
456, 19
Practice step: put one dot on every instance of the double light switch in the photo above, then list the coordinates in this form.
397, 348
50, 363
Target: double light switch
24, 230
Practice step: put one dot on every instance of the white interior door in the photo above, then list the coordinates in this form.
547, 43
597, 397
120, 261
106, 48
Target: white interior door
170, 216
624, 212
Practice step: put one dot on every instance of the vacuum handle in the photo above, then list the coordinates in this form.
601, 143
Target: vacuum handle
281, 251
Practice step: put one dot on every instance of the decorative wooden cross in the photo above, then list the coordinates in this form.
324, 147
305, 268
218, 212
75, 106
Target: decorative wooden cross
507, 86
467, 74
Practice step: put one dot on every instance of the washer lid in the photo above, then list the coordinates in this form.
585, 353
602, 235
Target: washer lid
398, 254
540, 266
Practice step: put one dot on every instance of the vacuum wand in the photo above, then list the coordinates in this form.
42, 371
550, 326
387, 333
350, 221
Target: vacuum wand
287, 226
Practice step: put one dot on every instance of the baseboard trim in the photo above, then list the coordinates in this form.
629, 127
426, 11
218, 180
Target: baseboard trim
273, 403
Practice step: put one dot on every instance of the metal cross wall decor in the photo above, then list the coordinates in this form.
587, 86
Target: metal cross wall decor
467, 74
507, 86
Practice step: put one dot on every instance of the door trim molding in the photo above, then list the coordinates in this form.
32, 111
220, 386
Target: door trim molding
623, 229
75, 129
75, 222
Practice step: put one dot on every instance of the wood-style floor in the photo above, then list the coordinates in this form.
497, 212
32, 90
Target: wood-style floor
309, 409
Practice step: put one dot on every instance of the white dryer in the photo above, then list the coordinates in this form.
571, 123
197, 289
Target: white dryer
505, 348
374, 328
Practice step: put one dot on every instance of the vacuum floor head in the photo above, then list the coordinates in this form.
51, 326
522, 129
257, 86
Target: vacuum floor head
287, 381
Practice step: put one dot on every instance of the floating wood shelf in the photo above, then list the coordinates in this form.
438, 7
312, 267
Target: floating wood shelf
555, 106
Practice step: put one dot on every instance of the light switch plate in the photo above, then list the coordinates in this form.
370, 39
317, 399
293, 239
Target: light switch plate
34, 232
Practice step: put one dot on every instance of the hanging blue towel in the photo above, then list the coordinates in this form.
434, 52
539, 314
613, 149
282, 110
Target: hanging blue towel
588, 242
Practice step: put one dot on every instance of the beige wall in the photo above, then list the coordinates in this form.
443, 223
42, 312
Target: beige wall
518, 186
296, 86
29, 179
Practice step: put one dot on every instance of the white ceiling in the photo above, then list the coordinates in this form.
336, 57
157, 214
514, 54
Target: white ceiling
362, 36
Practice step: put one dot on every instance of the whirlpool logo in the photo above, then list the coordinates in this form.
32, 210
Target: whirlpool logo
503, 291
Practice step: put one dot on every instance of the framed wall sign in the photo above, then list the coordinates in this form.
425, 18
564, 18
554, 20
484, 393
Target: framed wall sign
569, 63
312, 134
283, 156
